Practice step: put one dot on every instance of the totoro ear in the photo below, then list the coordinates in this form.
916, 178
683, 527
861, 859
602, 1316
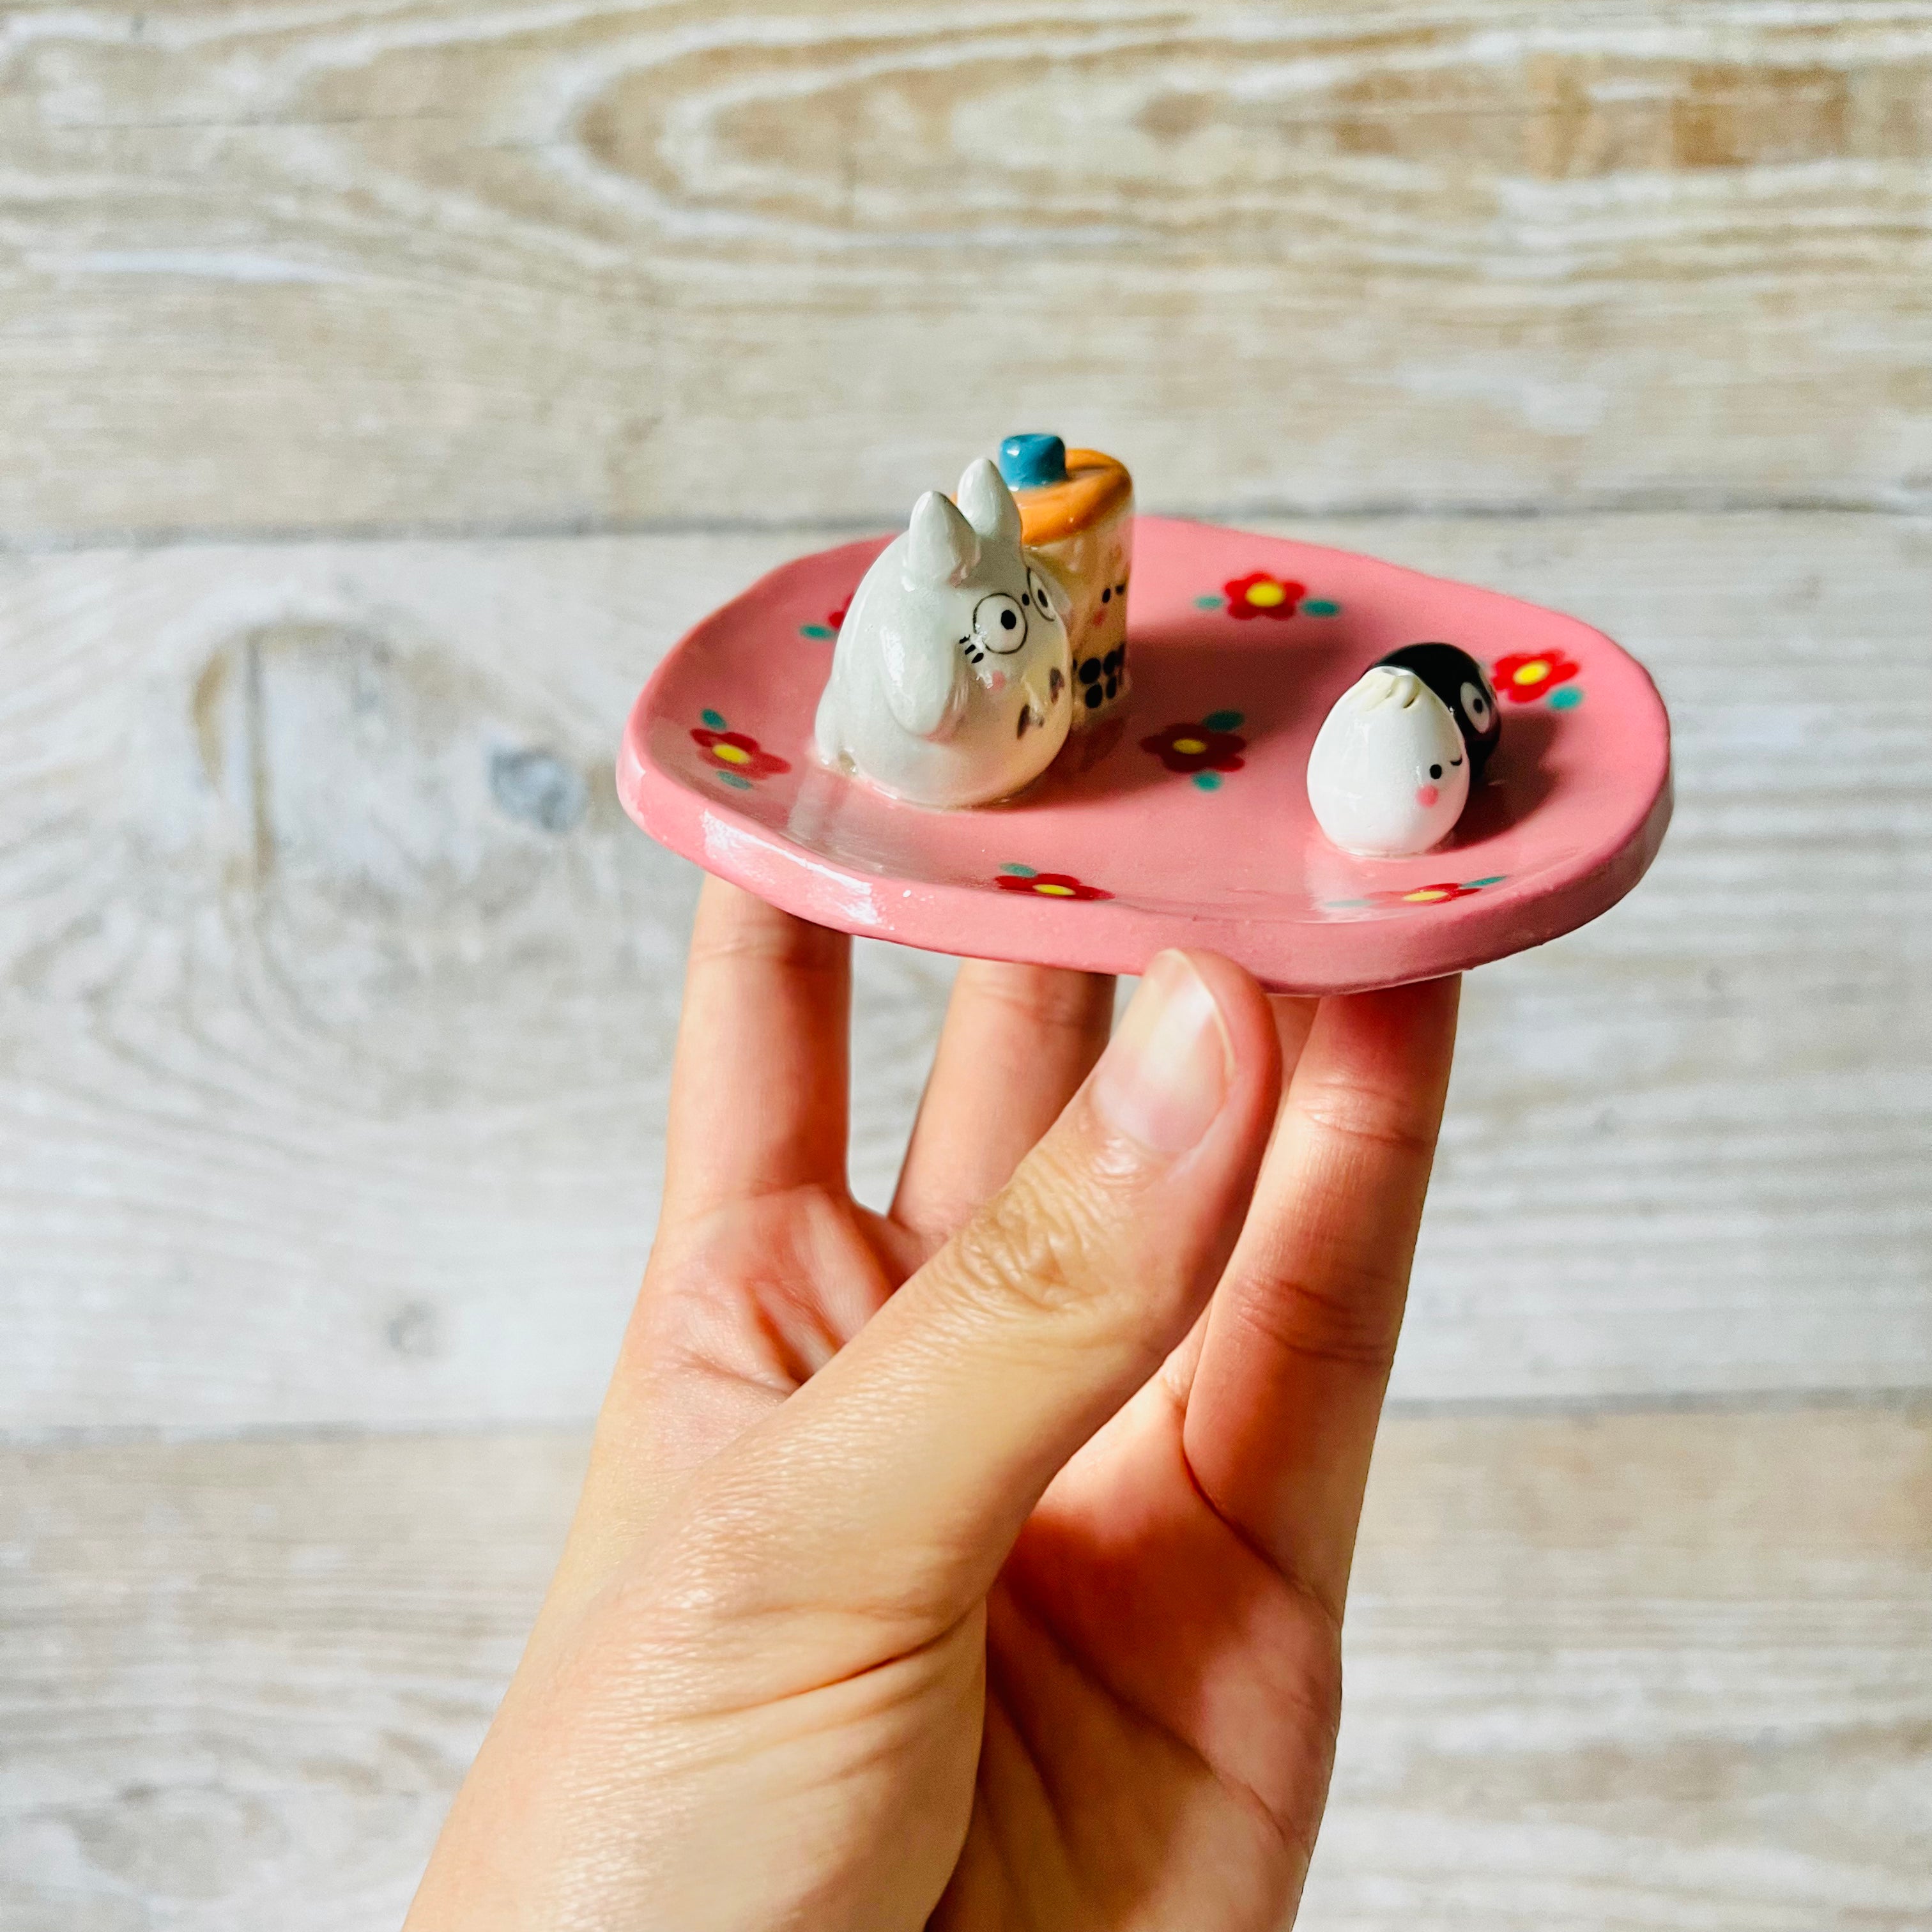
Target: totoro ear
941, 547
988, 503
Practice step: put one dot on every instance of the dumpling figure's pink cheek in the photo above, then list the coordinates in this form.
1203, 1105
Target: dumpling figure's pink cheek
1000, 684
1427, 796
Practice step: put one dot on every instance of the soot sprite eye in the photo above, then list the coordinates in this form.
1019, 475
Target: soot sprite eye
1106, 596
999, 623
1436, 771
1042, 600
1475, 702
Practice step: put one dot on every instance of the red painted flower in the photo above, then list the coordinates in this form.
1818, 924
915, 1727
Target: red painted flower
1438, 894
1047, 885
1528, 675
1197, 748
1433, 894
1260, 594
835, 619
737, 756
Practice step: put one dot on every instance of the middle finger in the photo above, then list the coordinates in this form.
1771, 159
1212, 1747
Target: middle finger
1017, 1042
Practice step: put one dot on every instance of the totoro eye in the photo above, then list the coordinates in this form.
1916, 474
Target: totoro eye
999, 623
1476, 703
1042, 599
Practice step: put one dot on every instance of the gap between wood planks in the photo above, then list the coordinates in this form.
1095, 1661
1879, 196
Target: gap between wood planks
1908, 1401
1906, 506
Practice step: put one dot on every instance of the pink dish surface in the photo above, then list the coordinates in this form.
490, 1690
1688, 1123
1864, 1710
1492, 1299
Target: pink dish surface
1185, 821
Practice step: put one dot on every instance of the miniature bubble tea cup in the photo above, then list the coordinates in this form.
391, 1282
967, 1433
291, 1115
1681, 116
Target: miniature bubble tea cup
1077, 515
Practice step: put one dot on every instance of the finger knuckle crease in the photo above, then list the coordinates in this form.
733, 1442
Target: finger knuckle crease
1051, 1004
1034, 1245
807, 951
1375, 1121
1356, 1331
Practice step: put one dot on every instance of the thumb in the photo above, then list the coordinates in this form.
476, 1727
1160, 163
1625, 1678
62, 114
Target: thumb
899, 1476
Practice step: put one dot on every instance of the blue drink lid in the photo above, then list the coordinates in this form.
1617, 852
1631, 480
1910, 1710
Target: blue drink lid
1030, 462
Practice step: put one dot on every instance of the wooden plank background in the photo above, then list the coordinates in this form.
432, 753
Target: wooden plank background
430, 266
1622, 1673
385, 384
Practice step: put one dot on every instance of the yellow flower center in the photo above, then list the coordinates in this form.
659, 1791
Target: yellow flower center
1423, 895
1055, 891
1531, 674
732, 754
1189, 746
1267, 594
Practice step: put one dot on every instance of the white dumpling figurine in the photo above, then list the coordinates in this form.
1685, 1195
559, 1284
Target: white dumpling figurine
950, 682
1389, 775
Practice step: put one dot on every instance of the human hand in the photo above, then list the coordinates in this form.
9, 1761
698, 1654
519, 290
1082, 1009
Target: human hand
980, 1565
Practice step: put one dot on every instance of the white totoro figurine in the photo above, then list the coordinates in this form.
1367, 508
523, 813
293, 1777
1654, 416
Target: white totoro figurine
1390, 773
950, 683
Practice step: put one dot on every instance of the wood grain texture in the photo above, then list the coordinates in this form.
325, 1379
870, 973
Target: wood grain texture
336, 994
339, 992
1637, 1672
1629, 1673
341, 266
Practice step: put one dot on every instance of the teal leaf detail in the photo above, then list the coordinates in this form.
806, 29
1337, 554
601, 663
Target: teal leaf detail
1477, 885
1321, 606
1208, 781
712, 720
816, 630
1020, 872
1224, 721
1213, 603
1566, 697
732, 779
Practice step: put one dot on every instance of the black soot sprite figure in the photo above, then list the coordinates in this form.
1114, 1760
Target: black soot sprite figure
1463, 685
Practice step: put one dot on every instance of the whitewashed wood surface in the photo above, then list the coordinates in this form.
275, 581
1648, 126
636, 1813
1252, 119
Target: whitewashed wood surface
335, 990
341, 266
1634, 1674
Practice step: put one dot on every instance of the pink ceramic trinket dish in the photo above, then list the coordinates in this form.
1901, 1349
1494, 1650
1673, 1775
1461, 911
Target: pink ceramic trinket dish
1184, 821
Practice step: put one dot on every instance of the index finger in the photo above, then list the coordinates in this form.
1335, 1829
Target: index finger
758, 1097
